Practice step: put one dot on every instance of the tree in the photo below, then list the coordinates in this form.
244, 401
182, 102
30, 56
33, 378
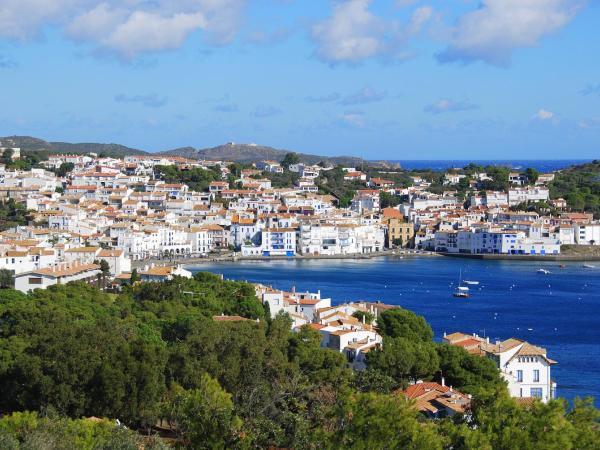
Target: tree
205, 416
7, 279
64, 169
532, 175
134, 276
372, 380
289, 159
404, 360
7, 156
398, 242
469, 373
373, 421
365, 316
398, 322
387, 200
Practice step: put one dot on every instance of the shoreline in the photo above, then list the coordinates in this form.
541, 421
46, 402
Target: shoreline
389, 254
504, 257
235, 258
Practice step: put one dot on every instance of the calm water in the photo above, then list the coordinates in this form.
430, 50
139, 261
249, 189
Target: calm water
558, 311
542, 165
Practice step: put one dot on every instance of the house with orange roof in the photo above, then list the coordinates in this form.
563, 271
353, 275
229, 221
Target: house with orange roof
163, 273
59, 274
525, 367
436, 400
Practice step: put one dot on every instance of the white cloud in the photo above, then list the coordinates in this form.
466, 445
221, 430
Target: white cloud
127, 27
493, 31
448, 105
544, 114
353, 33
419, 18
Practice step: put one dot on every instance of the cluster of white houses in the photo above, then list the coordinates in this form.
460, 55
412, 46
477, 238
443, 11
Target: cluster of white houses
119, 211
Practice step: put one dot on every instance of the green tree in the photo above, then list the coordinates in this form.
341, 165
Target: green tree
404, 360
365, 316
289, 159
532, 175
7, 155
469, 373
7, 279
373, 421
135, 277
387, 200
64, 169
372, 380
205, 416
398, 322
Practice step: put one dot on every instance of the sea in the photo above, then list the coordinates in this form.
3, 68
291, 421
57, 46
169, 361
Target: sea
558, 311
542, 165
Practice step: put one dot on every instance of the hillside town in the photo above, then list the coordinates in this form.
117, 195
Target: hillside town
86, 210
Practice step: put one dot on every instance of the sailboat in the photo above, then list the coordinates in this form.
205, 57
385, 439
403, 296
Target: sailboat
461, 291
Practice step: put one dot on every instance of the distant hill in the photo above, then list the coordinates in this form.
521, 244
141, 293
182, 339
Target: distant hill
243, 153
246, 153
28, 143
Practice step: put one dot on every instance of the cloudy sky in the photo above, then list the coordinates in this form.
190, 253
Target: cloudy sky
396, 79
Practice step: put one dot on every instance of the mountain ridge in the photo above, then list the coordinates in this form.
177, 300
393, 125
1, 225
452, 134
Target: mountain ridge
241, 153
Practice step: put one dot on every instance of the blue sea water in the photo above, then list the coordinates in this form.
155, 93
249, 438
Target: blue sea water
558, 311
541, 165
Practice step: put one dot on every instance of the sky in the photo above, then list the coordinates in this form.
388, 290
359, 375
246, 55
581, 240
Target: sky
379, 79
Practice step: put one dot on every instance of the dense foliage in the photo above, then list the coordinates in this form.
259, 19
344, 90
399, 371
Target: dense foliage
12, 214
155, 355
580, 187
198, 179
332, 182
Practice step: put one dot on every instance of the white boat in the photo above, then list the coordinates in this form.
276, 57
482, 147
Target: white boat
543, 271
589, 266
471, 283
461, 291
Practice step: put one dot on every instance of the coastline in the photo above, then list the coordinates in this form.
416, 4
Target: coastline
234, 258
504, 257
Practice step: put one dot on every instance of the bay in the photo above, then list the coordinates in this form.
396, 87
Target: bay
558, 311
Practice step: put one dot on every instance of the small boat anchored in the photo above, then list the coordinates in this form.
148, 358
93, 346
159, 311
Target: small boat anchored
461, 291
589, 266
471, 283
543, 271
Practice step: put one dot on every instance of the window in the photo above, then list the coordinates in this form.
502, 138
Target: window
35, 281
520, 376
536, 392
536, 376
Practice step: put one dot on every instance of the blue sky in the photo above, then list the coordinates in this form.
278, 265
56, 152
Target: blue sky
393, 79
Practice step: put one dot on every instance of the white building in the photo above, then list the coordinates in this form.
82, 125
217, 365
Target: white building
587, 234
274, 242
61, 274
529, 194
482, 242
525, 367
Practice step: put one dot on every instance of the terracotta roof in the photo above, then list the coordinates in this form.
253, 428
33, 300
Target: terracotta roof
62, 271
82, 250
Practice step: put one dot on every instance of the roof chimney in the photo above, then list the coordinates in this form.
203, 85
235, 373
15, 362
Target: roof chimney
443, 381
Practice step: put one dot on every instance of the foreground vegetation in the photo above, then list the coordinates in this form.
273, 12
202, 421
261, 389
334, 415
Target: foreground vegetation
155, 359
